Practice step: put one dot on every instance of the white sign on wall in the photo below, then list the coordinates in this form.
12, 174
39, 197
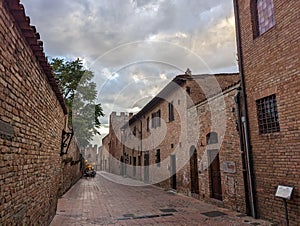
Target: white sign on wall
284, 192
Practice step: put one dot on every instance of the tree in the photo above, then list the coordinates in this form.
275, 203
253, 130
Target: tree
80, 93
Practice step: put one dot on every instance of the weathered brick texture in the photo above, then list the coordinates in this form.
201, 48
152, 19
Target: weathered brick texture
271, 66
209, 106
115, 140
72, 167
232, 182
104, 154
32, 172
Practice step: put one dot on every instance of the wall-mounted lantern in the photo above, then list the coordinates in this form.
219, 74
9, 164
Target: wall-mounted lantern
66, 139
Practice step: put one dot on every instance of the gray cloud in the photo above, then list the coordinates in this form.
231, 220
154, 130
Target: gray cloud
135, 47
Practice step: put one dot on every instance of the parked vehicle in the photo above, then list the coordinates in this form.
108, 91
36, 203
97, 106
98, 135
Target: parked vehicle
90, 171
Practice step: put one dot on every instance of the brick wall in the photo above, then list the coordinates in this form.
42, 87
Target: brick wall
232, 182
159, 138
115, 145
189, 128
271, 66
105, 154
32, 118
72, 167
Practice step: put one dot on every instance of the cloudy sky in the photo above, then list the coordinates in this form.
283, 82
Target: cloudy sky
135, 47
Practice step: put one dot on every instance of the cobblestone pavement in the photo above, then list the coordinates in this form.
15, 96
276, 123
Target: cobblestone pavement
100, 201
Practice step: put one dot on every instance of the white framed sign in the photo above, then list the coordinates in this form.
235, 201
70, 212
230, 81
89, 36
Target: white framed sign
284, 192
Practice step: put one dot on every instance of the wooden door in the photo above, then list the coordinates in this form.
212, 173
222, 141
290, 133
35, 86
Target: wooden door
173, 171
215, 175
146, 168
194, 170
134, 166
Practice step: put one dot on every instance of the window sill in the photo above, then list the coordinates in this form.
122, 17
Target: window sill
258, 36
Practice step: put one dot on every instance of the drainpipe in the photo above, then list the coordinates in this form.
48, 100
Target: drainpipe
141, 137
241, 135
141, 145
244, 98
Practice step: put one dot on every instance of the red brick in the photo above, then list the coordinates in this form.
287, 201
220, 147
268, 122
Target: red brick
33, 173
271, 66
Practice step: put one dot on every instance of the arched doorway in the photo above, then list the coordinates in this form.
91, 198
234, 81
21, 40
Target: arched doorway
194, 170
214, 167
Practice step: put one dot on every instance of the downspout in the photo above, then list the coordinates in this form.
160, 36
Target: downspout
141, 144
244, 98
141, 137
242, 149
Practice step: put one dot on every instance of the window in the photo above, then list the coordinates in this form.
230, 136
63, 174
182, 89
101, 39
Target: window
267, 115
157, 160
188, 90
263, 13
156, 119
148, 124
153, 120
134, 131
212, 138
171, 112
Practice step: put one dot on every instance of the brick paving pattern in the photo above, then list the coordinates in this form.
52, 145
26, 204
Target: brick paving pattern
100, 201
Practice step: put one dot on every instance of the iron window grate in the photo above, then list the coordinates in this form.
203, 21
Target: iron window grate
267, 115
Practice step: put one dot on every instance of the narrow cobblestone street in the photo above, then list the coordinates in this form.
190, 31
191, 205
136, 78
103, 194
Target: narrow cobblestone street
100, 201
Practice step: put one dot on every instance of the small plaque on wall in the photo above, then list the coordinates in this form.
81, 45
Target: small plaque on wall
6, 131
228, 167
284, 192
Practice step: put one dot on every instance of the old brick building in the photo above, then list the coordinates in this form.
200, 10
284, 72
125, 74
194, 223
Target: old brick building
110, 153
35, 168
186, 139
104, 154
115, 142
268, 38
90, 154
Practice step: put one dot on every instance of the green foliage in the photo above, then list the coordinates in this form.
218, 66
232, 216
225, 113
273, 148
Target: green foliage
80, 93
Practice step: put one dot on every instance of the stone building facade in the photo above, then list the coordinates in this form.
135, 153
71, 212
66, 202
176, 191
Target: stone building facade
220, 174
171, 141
115, 143
104, 154
98, 163
90, 155
268, 43
34, 170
